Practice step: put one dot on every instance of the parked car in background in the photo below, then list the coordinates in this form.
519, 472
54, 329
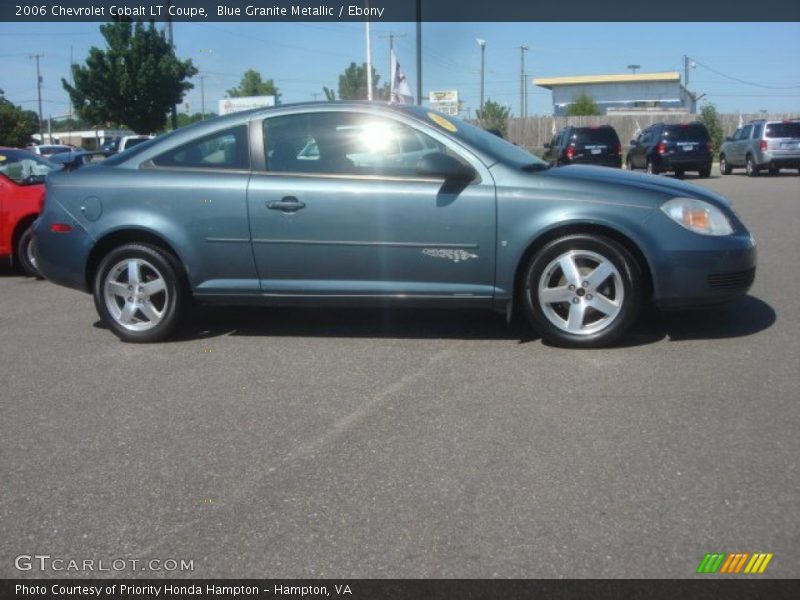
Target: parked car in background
22, 175
672, 147
586, 146
115, 145
761, 144
239, 209
50, 149
74, 158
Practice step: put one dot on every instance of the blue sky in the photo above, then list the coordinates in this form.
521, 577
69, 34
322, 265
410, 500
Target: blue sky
302, 57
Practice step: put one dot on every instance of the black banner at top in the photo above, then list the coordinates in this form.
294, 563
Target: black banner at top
399, 10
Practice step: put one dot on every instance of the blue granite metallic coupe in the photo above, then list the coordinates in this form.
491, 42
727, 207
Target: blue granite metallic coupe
363, 203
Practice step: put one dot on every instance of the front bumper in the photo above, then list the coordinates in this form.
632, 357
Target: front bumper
709, 273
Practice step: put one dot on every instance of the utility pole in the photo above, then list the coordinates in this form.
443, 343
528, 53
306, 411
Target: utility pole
686, 61
522, 50
419, 52
634, 68
172, 46
203, 97
36, 57
369, 59
482, 44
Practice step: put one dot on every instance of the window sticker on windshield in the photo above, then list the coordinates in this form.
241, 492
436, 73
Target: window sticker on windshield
442, 122
2, 157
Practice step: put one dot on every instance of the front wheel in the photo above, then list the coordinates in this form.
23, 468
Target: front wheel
652, 168
582, 291
138, 293
705, 173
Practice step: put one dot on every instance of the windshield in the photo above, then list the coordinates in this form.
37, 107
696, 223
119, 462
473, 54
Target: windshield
686, 133
487, 142
25, 168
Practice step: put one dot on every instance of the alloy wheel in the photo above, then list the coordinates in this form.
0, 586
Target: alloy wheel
136, 294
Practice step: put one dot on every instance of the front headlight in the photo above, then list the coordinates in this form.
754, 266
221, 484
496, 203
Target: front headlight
698, 216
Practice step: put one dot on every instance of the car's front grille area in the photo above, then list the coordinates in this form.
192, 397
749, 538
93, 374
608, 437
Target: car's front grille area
740, 279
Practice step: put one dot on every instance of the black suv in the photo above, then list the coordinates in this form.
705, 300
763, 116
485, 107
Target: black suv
585, 145
678, 148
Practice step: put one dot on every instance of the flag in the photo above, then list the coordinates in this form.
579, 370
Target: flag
741, 121
553, 130
638, 130
400, 92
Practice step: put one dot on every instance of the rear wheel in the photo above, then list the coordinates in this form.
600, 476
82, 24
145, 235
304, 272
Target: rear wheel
724, 167
628, 164
750, 167
652, 168
582, 291
679, 173
26, 259
138, 293
705, 173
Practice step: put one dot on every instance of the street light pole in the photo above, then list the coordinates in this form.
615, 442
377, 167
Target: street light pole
482, 44
202, 98
172, 47
634, 68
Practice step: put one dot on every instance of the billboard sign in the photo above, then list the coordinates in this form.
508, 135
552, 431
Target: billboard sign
232, 105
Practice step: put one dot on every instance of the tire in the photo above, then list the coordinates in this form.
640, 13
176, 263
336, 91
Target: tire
628, 164
705, 173
651, 168
146, 315
724, 167
601, 311
773, 171
679, 173
750, 167
25, 257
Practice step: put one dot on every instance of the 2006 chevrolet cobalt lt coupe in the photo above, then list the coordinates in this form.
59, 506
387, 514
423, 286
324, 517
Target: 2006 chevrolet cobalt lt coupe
363, 203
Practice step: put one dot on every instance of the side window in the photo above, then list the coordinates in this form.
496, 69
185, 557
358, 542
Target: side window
758, 130
746, 132
736, 135
221, 150
341, 143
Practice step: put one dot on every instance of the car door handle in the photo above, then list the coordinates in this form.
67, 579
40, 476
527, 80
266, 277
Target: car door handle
287, 204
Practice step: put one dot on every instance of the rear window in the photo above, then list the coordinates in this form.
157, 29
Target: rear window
686, 133
595, 135
782, 130
135, 142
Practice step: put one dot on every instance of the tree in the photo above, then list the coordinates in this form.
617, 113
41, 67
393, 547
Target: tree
185, 119
710, 118
353, 84
135, 81
494, 116
252, 85
17, 125
584, 105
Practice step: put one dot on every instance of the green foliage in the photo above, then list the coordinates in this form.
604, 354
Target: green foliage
16, 124
70, 124
330, 95
185, 119
494, 116
135, 81
584, 105
252, 85
710, 118
353, 84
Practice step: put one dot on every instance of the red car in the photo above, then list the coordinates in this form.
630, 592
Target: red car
22, 176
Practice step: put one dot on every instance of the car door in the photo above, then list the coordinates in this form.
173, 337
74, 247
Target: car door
199, 191
741, 145
339, 210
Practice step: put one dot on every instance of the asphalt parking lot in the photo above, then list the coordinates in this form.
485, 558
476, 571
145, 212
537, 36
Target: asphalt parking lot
337, 443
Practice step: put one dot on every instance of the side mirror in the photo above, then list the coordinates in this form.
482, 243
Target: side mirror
444, 166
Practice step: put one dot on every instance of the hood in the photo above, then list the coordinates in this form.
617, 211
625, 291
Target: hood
632, 181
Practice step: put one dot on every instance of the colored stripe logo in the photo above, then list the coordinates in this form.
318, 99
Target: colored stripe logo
734, 563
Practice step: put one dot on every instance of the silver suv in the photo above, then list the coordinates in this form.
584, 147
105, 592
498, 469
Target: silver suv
771, 145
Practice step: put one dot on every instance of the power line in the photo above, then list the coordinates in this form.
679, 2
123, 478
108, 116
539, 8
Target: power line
742, 81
